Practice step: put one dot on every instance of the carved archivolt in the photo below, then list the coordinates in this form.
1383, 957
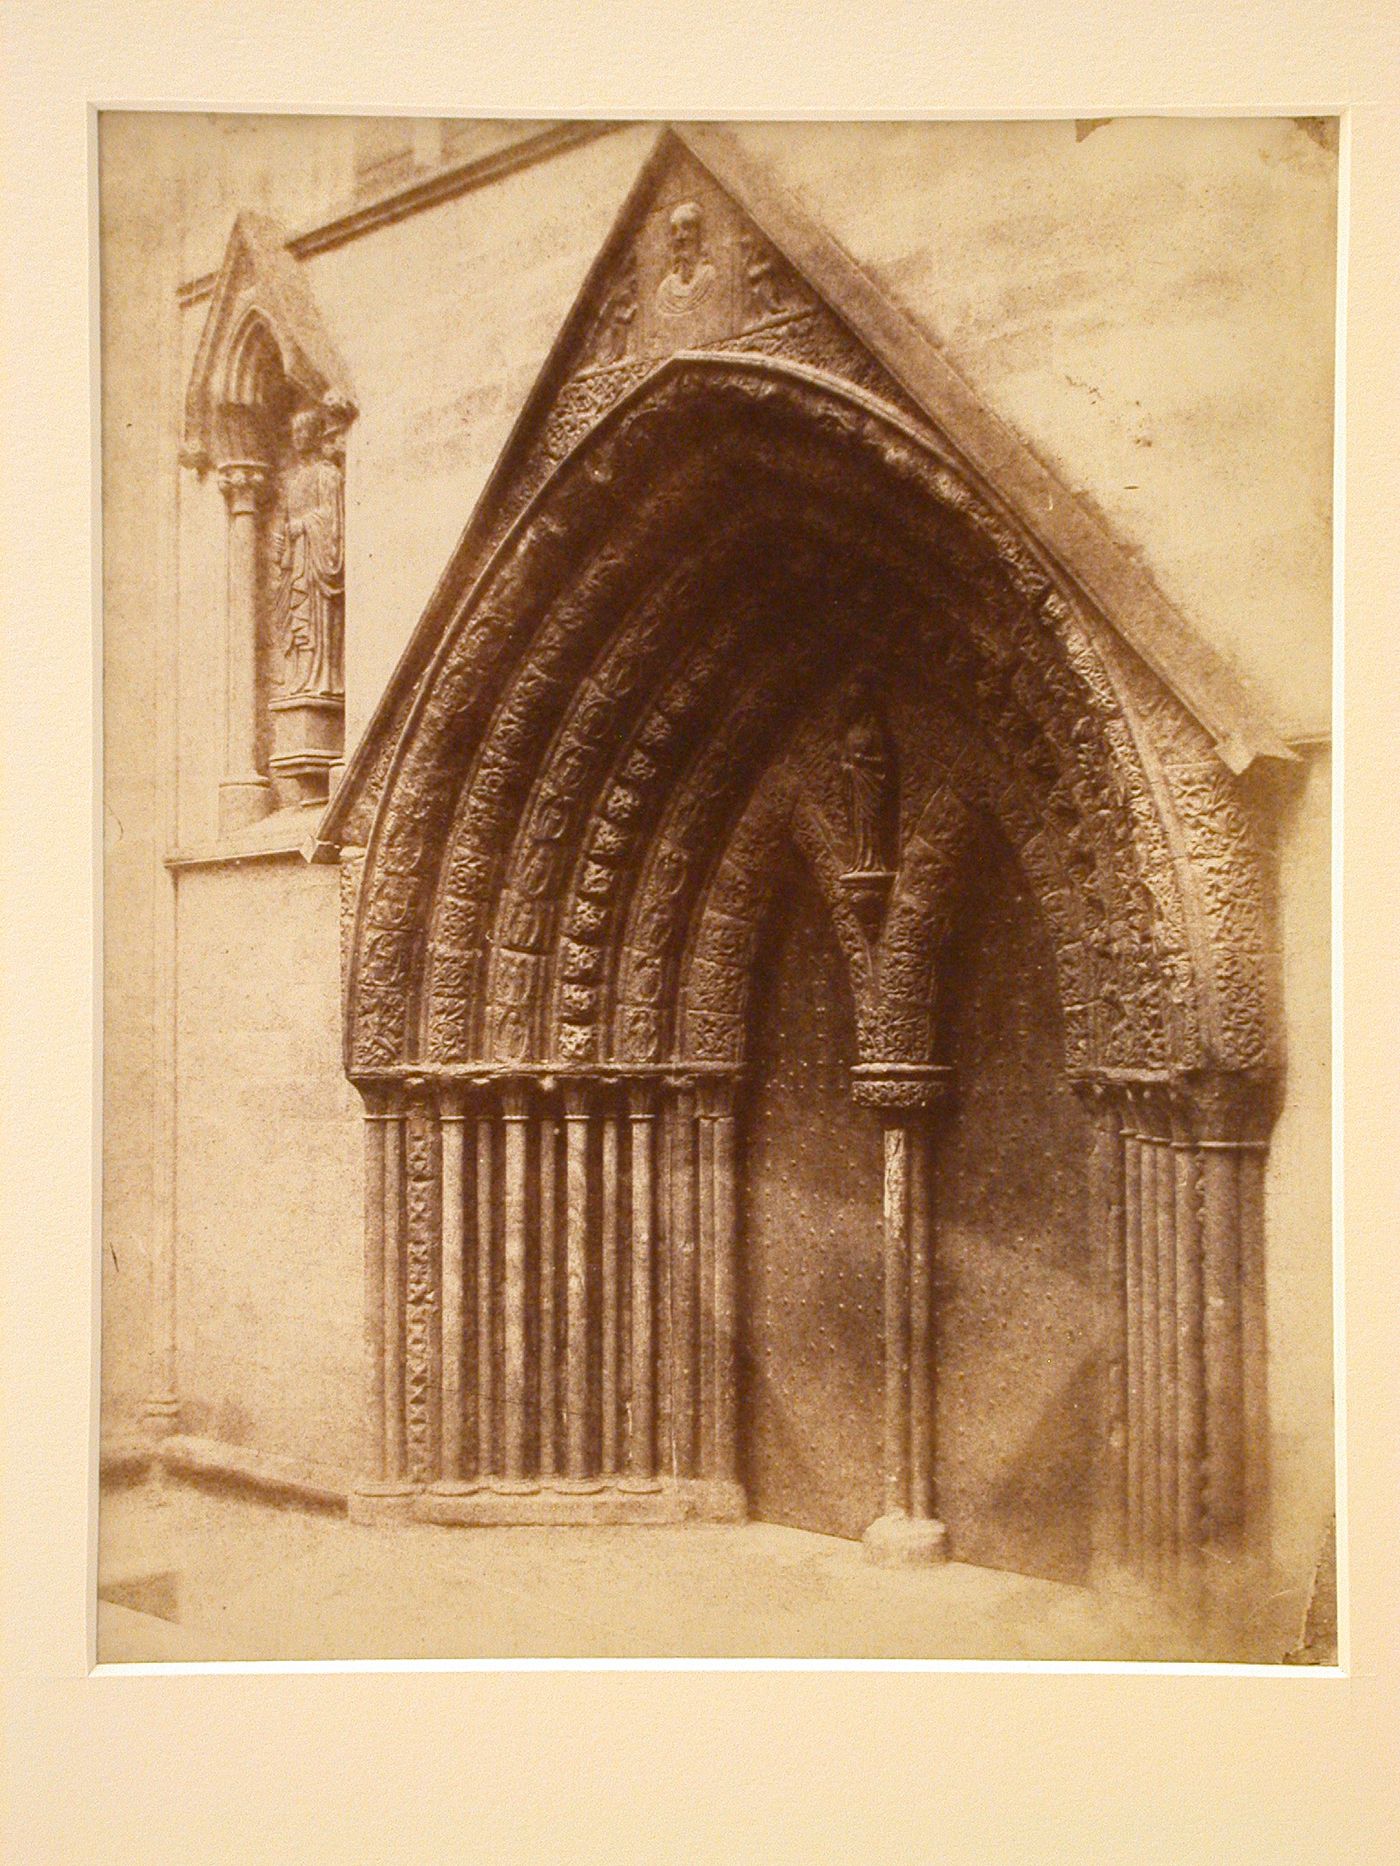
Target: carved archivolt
684, 593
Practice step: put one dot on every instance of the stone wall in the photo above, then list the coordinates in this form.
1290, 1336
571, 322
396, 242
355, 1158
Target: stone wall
268, 1193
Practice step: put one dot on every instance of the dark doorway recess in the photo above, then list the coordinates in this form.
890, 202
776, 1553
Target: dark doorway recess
1014, 1297
810, 1253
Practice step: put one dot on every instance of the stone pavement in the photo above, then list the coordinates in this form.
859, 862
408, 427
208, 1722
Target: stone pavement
187, 1573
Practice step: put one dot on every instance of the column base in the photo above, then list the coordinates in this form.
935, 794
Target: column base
242, 802
295, 785
381, 1503
556, 1501
900, 1541
161, 1416
715, 1500
551, 1503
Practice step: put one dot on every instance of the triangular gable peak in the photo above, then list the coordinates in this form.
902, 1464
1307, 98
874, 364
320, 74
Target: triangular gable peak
710, 255
261, 294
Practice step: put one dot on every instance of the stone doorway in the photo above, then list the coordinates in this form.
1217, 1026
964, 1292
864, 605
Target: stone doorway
1014, 1318
748, 613
810, 1249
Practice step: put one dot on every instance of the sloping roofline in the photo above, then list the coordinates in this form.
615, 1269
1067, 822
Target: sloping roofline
1114, 581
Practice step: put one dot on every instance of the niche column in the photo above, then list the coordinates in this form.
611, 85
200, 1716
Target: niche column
907, 1534
244, 794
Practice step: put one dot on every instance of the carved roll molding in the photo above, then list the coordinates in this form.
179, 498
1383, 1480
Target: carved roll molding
524, 1234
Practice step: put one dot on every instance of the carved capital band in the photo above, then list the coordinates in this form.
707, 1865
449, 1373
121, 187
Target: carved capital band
907, 1087
715, 1097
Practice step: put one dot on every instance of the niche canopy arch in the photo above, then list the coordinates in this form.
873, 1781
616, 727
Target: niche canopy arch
264, 350
267, 406
741, 559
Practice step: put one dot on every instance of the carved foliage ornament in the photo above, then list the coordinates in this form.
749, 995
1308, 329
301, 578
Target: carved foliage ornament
1106, 836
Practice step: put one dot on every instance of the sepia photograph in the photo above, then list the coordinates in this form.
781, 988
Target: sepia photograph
717, 889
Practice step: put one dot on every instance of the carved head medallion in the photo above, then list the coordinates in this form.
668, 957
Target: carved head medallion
691, 277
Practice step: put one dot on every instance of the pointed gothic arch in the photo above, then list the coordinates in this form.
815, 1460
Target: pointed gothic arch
627, 597
560, 838
263, 325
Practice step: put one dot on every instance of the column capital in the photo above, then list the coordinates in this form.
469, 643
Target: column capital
1100, 1094
901, 1088
418, 1095
715, 1097
383, 1100
1227, 1108
243, 483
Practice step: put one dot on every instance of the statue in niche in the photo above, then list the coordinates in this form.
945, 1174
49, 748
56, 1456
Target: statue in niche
868, 766
307, 554
692, 274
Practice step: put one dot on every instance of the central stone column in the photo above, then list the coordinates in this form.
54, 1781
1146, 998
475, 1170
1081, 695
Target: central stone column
907, 1533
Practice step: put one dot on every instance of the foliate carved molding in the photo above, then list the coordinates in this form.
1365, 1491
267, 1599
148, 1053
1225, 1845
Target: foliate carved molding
553, 699
351, 873
1037, 723
422, 1210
